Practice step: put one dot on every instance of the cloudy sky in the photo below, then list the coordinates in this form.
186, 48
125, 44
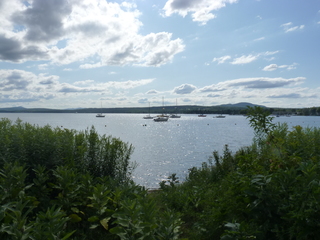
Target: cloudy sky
88, 53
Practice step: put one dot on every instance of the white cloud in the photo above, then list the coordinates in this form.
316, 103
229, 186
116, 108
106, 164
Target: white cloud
184, 89
270, 67
267, 53
19, 84
201, 10
221, 59
22, 86
259, 39
43, 66
245, 59
212, 88
287, 27
152, 92
273, 67
263, 82
63, 32
127, 84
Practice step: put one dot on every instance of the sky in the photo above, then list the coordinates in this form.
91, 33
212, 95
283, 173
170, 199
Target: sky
90, 53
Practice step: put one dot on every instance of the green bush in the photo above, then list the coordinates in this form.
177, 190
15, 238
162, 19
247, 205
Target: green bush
63, 184
32, 146
269, 190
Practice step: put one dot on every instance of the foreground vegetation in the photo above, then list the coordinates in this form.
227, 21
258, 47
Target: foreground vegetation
62, 184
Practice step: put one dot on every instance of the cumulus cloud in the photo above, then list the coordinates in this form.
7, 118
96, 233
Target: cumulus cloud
12, 49
184, 89
211, 95
69, 88
64, 32
19, 84
201, 10
270, 67
152, 92
288, 27
143, 100
19, 80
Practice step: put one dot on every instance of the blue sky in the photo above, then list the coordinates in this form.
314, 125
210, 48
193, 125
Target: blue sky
84, 53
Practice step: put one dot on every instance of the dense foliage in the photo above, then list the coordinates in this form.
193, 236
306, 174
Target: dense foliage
270, 190
62, 184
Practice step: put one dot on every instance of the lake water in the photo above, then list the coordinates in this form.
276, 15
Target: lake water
163, 148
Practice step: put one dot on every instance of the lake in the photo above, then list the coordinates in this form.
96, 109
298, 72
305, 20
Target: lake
163, 148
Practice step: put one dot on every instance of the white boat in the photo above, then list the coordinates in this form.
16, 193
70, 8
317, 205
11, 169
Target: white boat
220, 116
148, 116
100, 115
202, 115
161, 119
175, 115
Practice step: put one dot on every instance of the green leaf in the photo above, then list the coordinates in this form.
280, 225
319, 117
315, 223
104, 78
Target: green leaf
104, 223
76, 210
117, 230
75, 218
93, 219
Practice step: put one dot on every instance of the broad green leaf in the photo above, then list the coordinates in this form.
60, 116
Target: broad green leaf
104, 223
75, 218
93, 219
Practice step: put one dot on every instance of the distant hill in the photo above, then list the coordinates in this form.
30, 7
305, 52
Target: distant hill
12, 109
224, 108
241, 105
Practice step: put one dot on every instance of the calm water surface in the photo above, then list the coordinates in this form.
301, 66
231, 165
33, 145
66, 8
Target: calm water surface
163, 148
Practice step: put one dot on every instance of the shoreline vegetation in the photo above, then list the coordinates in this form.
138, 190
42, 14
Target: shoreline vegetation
66, 184
234, 109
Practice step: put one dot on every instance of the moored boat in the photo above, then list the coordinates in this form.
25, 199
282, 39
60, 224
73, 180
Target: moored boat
100, 115
175, 116
220, 116
148, 117
161, 119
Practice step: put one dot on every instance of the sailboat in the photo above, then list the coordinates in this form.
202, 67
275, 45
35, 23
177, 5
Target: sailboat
202, 115
175, 115
148, 116
100, 114
162, 117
